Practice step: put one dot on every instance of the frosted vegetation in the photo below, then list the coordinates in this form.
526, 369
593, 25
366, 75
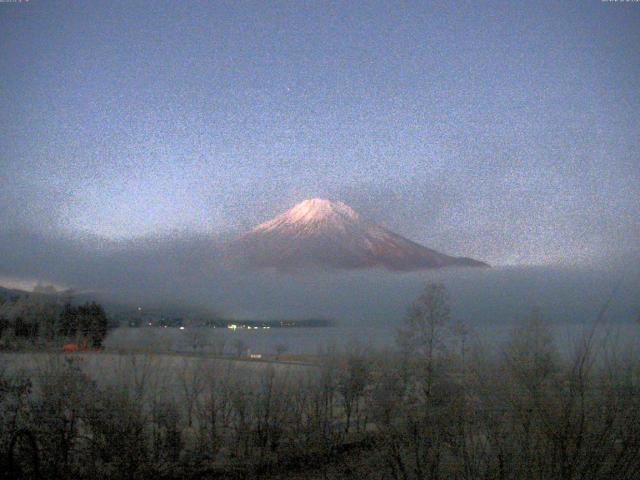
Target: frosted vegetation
439, 404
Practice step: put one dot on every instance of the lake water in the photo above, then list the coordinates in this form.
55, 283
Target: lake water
315, 340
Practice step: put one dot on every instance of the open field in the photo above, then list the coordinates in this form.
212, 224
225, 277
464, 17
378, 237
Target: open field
164, 371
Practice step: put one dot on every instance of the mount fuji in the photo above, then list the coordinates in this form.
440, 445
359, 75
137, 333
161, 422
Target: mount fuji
319, 232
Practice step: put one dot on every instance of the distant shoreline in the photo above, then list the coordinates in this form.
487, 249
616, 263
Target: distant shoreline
242, 324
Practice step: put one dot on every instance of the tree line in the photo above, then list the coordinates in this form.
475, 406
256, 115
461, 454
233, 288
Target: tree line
40, 319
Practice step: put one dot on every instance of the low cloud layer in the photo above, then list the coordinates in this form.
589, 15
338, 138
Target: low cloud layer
186, 272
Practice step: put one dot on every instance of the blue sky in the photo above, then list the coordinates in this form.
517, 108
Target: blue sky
504, 131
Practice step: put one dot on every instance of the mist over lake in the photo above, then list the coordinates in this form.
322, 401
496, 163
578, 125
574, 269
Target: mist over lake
187, 273
488, 296
369, 306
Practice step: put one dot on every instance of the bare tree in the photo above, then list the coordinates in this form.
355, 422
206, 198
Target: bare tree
240, 347
352, 379
460, 331
215, 410
281, 348
192, 383
219, 343
422, 334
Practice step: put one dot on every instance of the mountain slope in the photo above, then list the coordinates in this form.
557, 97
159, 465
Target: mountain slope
318, 232
7, 293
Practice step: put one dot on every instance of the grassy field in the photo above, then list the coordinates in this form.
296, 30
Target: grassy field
162, 370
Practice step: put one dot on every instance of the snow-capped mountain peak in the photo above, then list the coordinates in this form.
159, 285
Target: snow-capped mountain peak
312, 213
331, 234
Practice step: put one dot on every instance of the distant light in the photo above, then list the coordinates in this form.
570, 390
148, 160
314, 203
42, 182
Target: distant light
232, 326
181, 328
